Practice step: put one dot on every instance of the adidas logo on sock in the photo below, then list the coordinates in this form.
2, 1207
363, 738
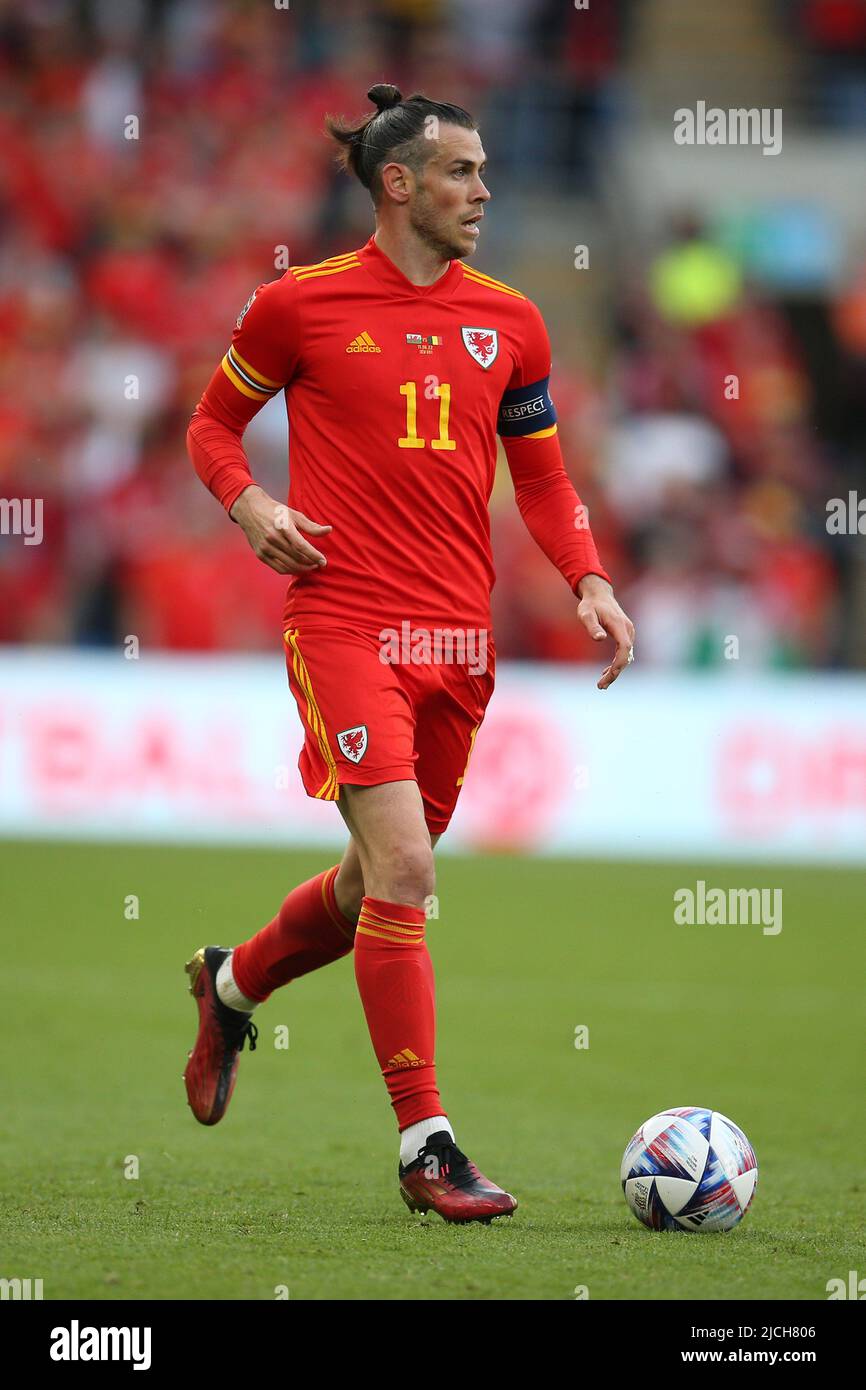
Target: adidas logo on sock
363, 343
406, 1058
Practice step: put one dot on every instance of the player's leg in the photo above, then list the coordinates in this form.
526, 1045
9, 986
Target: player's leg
449, 710
395, 981
338, 683
349, 883
309, 930
314, 926
343, 692
392, 963
391, 839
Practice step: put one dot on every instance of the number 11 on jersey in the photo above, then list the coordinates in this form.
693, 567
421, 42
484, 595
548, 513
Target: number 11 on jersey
410, 439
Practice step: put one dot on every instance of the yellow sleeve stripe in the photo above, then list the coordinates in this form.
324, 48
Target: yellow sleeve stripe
254, 395
247, 380
491, 279
257, 376
323, 265
314, 274
475, 275
539, 434
330, 270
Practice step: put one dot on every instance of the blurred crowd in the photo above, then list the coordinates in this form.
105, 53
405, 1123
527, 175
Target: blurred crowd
155, 156
702, 455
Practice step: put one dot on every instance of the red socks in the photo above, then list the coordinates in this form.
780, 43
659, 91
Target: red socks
308, 931
392, 967
395, 981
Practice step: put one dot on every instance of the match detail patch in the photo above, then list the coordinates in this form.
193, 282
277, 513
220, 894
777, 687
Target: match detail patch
526, 410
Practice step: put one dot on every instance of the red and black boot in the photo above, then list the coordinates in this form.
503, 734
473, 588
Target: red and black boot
213, 1063
442, 1179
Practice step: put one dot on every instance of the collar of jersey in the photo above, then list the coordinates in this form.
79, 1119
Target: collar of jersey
383, 269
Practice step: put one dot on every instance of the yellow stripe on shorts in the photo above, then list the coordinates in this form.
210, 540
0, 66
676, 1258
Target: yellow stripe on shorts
330, 788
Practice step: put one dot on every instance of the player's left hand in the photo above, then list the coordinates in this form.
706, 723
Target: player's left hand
602, 617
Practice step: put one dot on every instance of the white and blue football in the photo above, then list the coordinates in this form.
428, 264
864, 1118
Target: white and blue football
689, 1170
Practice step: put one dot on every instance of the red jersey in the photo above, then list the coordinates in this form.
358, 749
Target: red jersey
395, 394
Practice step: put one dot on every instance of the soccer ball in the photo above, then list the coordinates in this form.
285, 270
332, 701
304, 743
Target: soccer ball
689, 1170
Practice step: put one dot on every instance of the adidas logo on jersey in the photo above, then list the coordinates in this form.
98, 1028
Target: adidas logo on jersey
363, 343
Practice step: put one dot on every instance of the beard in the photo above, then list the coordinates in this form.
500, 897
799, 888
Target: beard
432, 228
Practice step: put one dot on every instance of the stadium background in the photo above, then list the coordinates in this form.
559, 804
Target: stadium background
141, 253
129, 259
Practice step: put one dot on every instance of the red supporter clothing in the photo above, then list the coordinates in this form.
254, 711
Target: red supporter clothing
395, 394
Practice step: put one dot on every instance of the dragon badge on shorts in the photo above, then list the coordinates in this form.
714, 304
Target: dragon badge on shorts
353, 742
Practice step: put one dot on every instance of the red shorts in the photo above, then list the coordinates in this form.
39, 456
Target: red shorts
368, 721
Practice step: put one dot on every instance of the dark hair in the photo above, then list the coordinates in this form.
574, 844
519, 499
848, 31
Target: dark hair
394, 131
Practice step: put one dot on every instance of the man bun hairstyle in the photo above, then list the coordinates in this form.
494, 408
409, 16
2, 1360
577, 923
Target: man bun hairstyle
398, 131
385, 95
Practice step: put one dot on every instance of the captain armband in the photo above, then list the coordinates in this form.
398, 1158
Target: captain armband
526, 410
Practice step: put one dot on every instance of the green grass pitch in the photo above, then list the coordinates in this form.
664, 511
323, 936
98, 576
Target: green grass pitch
296, 1188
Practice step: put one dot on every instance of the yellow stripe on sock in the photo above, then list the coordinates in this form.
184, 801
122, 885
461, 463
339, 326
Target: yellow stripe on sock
382, 921
395, 931
394, 940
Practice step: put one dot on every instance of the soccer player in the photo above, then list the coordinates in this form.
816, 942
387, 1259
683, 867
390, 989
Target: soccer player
400, 364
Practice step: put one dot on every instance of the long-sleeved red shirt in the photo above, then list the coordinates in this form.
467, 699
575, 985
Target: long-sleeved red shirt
395, 395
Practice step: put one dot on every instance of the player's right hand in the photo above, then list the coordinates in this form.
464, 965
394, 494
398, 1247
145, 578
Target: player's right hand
274, 532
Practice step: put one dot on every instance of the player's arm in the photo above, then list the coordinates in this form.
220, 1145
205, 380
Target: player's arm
548, 502
260, 361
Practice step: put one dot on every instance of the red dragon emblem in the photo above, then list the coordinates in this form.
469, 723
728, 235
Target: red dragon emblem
482, 344
354, 742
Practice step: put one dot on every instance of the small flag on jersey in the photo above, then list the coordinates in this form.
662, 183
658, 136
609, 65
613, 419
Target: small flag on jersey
422, 343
